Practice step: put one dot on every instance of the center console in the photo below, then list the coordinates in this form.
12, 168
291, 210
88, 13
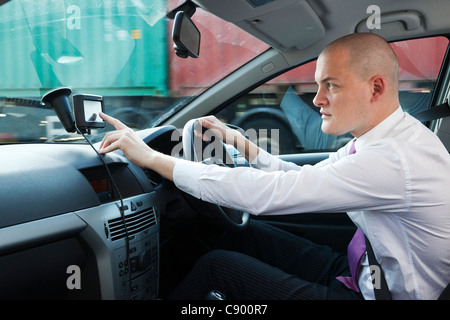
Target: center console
125, 246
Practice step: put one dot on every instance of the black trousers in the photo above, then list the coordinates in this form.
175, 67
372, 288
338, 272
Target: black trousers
265, 263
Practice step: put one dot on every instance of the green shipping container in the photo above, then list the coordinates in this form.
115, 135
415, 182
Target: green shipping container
100, 47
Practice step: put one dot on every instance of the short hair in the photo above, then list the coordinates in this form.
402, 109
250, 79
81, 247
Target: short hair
369, 54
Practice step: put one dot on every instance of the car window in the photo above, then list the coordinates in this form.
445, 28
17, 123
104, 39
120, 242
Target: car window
281, 117
119, 49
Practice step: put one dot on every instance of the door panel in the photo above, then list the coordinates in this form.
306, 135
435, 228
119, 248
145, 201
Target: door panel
305, 158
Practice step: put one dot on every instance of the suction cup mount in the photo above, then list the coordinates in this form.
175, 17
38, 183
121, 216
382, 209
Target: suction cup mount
59, 101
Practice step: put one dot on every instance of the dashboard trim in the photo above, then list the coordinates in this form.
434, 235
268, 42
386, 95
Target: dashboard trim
34, 233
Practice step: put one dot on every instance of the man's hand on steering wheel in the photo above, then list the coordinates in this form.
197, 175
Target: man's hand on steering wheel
228, 134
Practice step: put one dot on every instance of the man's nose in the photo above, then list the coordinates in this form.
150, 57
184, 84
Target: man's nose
320, 98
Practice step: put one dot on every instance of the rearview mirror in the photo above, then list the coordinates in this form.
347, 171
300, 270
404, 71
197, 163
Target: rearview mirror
186, 36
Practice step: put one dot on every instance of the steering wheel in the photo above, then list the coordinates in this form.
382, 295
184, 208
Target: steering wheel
213, 152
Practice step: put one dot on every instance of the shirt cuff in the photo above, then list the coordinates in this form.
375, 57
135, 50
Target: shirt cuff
265, 161
186, 176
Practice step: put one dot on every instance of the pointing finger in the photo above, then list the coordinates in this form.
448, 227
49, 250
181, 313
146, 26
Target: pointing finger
113, 121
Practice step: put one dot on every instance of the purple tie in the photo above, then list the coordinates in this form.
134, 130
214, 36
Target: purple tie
352, 147
355, 251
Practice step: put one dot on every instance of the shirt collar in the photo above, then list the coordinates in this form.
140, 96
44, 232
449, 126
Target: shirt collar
382, 130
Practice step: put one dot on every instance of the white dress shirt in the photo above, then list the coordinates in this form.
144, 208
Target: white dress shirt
395, 189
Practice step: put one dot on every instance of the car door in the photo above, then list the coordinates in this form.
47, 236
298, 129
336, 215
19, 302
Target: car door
280, 117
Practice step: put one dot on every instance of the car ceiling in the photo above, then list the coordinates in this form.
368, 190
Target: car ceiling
297, 24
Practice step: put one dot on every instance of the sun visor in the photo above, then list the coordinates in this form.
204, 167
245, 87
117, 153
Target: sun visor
283, 24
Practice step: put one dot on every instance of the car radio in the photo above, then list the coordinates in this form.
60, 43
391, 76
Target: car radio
126, 254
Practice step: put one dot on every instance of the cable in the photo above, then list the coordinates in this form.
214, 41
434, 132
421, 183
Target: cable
121, 209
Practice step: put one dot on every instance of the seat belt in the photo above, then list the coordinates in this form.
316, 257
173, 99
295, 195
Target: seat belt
437, 112
381, 293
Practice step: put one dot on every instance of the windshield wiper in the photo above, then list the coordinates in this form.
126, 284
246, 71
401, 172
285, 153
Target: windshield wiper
23, 102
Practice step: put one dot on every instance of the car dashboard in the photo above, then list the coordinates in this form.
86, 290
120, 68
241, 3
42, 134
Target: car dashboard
62, 230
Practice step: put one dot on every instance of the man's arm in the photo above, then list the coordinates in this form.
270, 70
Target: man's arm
136, 150
230, 136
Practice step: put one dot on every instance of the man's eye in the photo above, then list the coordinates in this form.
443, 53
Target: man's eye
330, 85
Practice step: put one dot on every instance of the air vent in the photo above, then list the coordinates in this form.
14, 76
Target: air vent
136, 223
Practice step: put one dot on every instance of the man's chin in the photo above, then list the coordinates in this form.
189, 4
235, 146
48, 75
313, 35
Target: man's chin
328, 129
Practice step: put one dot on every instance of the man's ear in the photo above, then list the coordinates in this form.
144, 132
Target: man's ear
378, 87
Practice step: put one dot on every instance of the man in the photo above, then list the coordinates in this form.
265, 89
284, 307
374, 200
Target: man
394, 188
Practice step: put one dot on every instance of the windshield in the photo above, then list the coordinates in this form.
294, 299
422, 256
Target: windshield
119, 49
